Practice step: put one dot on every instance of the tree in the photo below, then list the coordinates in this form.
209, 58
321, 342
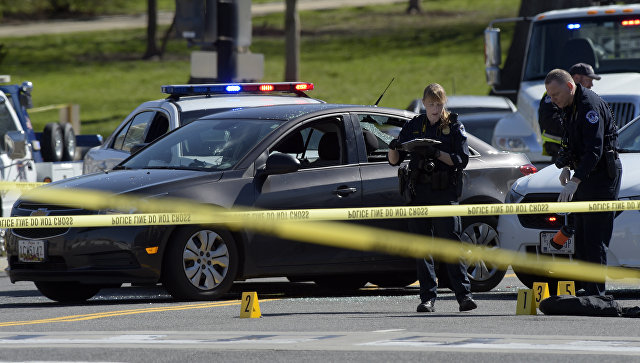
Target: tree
510, 73
292, 41
152, 26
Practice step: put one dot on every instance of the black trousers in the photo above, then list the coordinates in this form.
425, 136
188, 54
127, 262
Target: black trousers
444, 227
594, 230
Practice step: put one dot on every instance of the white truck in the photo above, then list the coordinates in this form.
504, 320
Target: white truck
23, 151
606, 37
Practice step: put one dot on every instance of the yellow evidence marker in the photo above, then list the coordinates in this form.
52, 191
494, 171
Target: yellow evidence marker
566, 288
526, 303
540, 291
249, 306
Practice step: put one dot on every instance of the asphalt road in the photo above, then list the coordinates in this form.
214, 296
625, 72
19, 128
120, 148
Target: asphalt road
301, 323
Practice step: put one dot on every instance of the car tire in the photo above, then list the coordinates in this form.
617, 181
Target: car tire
67, 292
340, 282
394, 279
52, 142
481, 231
69, 142
200, 263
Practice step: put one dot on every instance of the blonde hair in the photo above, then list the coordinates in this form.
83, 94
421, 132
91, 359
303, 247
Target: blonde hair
435, 92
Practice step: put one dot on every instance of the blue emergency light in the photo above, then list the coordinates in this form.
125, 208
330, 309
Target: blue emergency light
573, 26
235, 88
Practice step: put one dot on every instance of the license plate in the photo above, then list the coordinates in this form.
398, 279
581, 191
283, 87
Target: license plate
32, 250
545, 245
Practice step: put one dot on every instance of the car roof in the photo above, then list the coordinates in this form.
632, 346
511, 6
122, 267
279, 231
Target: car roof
482, 117
471, 104
193, 103
294, 111
490, 102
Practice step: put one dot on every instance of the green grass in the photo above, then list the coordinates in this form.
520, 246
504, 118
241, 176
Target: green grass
351, 54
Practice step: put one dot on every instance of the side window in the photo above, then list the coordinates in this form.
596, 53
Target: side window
134, 133
377, 132
318, 144
119, 139
159, 126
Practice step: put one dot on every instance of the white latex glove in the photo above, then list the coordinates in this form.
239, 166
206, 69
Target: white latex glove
565, 175
567, 192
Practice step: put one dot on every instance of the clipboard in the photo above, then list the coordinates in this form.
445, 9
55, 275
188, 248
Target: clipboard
417, 143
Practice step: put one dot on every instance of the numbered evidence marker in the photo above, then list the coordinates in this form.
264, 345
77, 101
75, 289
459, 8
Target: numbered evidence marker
540, 291
249, 306
526, 303
566, 288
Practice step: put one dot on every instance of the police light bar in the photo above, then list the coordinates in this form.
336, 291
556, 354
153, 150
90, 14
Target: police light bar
235, 88
631, 22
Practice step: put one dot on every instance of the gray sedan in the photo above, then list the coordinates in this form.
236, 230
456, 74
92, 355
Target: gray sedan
277, 157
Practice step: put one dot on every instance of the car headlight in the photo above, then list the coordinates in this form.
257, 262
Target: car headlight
514, 143
512, 197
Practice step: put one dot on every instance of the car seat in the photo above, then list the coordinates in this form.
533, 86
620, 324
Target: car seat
328, 150
370, 142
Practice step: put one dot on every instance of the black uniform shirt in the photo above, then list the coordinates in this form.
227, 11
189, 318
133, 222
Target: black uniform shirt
587, 121
453, 138
549, 117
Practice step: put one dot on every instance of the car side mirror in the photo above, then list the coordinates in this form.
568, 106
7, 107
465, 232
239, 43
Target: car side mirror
137, 147
280, 164
15, 144
492, 55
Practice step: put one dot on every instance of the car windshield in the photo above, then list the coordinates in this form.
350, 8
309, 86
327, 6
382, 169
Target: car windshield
608, 43
629, 137
210, 145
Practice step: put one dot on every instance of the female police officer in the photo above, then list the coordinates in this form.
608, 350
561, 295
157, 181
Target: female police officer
434, 178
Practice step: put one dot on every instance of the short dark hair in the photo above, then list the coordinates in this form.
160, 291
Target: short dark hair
558, 75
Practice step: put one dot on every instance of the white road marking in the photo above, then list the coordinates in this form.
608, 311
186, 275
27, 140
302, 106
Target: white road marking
392, 340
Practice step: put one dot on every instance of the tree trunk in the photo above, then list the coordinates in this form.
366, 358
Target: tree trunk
292, 41
166, 36
152, 26
511, 73
415, 6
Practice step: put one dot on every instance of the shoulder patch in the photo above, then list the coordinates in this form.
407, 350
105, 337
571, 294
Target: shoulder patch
547, 99
462, 131
592, 117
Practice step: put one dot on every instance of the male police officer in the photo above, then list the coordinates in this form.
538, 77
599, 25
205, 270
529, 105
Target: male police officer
549, 115
589, 148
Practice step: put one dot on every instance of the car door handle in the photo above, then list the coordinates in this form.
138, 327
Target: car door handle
344, 191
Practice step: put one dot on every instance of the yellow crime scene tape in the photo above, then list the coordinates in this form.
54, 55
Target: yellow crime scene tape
338, 234
22, 186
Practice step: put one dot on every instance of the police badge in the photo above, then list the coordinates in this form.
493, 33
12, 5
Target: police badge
592, 117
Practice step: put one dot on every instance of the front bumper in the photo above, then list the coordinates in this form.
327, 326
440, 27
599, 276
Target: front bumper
106, 255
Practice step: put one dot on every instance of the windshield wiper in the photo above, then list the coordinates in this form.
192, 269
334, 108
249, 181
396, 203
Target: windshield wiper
177, 168
121, 167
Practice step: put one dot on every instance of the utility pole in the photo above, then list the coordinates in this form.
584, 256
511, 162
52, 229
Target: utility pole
292, 41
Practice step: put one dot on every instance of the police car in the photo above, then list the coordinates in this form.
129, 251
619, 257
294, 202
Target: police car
532, 232
185, 103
